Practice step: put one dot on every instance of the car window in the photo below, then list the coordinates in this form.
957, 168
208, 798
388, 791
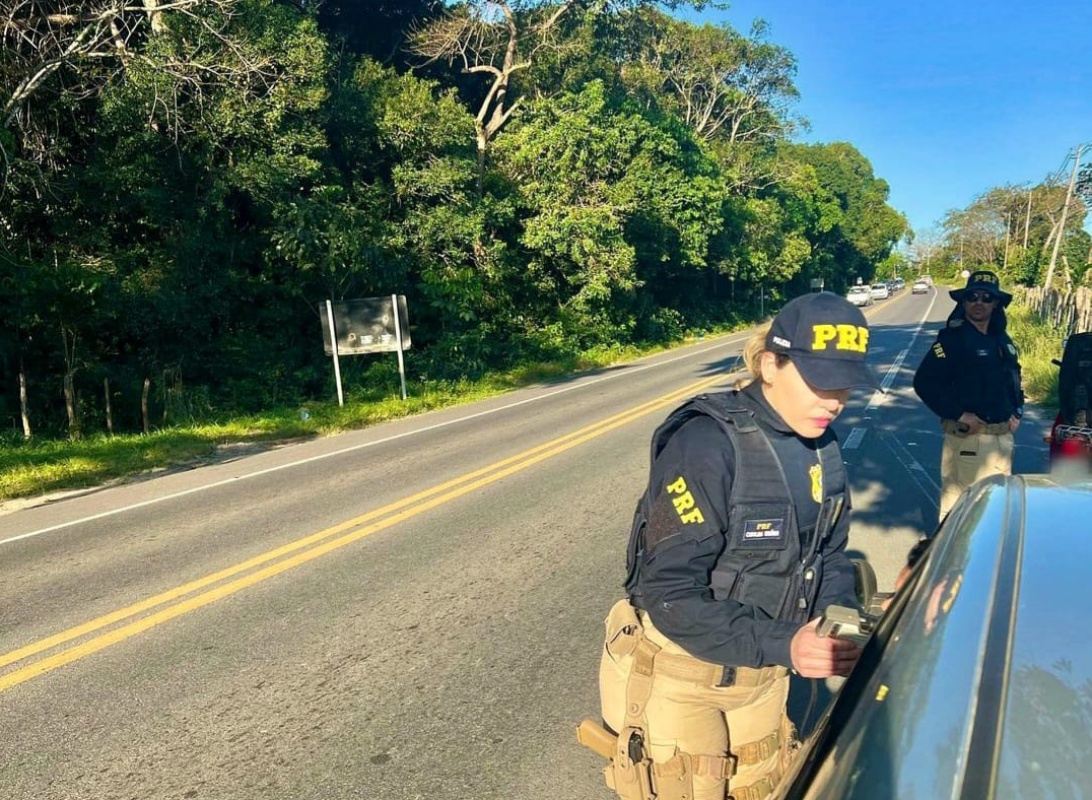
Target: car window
907, 705
1047, 737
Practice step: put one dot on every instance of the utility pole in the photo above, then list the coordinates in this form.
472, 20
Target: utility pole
1061, 223
1027, 222
1008, 227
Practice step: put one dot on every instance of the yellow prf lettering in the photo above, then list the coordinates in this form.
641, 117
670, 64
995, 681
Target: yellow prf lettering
685, 505
678, 487
845, 337
824, 334
852, 337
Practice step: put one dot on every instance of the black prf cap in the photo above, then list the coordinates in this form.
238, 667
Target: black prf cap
826, 337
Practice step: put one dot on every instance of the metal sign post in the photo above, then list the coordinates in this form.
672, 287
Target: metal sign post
398, 337
333, 341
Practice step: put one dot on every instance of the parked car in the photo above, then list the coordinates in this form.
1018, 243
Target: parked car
880, 291
975, 683
1070, 436
919, 287
859, 295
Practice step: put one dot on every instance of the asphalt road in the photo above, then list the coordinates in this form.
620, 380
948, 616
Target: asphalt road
410, 611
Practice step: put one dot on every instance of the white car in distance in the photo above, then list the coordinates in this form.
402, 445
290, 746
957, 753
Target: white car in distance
859, 295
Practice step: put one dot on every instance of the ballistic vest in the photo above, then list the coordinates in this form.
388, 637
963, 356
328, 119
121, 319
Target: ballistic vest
987, 385
765, 563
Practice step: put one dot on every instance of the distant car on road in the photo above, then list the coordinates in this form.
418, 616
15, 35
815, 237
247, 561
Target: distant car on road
919, 287
879, 291
859, 295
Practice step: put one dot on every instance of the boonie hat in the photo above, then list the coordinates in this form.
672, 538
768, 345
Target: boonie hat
982, 281
826, 337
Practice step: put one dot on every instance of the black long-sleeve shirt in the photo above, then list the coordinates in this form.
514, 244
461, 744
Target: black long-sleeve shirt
967, 370
675, 573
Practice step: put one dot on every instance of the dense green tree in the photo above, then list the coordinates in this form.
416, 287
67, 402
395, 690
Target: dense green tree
231, 164
849, 223
1013, 228
616, 203
375, 28
501, 39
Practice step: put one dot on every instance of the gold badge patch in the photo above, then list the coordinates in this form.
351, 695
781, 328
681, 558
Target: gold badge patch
816, 473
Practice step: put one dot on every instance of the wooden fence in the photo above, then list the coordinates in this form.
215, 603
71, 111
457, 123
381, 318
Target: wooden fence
1070, 311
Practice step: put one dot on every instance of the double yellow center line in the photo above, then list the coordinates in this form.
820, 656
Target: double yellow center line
83, 640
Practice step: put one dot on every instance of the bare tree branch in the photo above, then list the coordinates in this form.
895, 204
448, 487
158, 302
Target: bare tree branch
497, 38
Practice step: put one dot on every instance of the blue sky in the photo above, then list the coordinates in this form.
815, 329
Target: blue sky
946, 99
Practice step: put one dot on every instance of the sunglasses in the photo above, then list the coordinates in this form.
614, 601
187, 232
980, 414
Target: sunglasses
979, 297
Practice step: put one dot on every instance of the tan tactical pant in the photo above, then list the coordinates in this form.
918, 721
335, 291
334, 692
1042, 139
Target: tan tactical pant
745, 722
967, 459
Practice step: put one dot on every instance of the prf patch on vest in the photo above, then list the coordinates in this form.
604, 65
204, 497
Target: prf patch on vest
839, 337
764, 532
938, 351
684, 503
815, 471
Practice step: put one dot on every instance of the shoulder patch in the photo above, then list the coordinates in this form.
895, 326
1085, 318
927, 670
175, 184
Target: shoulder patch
685, 505
955, 323
938, 350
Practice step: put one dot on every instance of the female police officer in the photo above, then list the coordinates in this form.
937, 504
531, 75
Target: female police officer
737, 547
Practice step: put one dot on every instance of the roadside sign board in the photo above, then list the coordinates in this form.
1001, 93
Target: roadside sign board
366, 326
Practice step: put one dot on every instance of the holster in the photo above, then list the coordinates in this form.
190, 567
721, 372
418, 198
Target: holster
631, 772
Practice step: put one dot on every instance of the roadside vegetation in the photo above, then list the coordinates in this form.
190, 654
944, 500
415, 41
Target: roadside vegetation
552, 185
37, 467
184, 185
1038, 343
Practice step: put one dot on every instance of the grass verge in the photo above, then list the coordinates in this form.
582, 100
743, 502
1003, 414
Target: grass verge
1038, 342
40, 467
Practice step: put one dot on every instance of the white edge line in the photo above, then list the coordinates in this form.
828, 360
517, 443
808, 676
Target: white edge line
892, 371
728, 340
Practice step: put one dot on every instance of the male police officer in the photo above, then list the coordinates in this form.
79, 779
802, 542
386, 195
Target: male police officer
970, 378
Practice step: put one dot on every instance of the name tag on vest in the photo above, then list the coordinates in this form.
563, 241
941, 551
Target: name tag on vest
764, 532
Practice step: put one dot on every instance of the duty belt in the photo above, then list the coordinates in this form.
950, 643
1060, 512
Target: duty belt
693, 670
705, 673
959, 429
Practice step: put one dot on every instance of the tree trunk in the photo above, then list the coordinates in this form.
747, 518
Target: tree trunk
70, 407
68, 340
109, 409
144, 403
155, 16
24, 410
